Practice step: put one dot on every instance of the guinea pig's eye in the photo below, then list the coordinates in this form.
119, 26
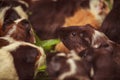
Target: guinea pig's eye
73, 34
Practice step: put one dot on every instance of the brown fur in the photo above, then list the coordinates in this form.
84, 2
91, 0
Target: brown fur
111, 24
25, 57
82, 17
46, 24
85, 16
21, 33
102, 62
80, 37
24, 60
72, 41
23, 30
108, 51
63, 13
1, 32
3, 43
58, 65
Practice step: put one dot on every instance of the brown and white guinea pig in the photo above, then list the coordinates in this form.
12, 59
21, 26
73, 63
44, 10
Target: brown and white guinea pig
12, 10
62, 66
14, 20
111, 24
47, 15
19, 60
81, 38
95, 64
20, 30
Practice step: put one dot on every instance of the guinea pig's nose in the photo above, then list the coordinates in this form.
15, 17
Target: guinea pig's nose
26, 24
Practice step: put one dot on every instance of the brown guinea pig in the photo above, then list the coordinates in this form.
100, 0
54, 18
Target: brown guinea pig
79, 38
19, 60
82, 38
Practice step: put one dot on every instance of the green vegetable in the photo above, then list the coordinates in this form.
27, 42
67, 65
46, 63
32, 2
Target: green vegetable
47, 44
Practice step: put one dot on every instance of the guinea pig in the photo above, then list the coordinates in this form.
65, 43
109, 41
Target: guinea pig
65, 13
62, 66
19, 60
79, 38
98, 9
12, 10
14, 21
111, 24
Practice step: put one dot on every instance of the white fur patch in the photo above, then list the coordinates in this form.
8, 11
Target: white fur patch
41, 60
97, 36
72, 71
73, 55
18, 20
92, 72
7, 68
95, 8
12, 47
13, 29
61, 54
2, 14
23, 2
9, 39
21, 12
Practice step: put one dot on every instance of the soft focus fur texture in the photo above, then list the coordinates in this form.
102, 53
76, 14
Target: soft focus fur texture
111, 24
102, 63
62, 66
19, 60
91, 64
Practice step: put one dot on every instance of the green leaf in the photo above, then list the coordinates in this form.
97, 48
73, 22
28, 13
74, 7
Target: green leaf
46, 44
42, 68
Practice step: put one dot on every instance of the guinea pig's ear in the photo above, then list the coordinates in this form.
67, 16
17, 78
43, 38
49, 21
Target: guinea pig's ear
89, 28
